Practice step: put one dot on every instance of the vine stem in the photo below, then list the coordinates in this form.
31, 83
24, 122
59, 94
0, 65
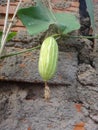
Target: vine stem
90, 37
5, 22
20, 52
66, 35
9, 27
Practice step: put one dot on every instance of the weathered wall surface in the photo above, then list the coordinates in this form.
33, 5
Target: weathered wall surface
22, 106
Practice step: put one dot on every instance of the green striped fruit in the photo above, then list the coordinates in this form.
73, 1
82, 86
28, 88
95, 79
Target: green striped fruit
48, 58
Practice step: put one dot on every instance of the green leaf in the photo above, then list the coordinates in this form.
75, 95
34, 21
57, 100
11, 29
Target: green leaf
37, 19
10, 36
67, 22
90, 8
47, 11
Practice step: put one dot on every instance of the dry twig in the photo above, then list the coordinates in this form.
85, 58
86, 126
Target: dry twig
4, 37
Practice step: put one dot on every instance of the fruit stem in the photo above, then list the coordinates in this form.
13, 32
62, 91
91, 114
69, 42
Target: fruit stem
46, 91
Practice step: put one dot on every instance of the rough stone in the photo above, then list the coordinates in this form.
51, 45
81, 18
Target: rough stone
24, 67
89, 98
85, 53
90, 125
22, 105
20, 112
24, 40
87, 74
94, 117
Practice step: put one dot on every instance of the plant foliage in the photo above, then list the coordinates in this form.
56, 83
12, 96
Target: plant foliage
38, 19
9, 37
90, 8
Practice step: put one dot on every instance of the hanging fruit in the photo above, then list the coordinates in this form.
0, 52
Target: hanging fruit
48, 61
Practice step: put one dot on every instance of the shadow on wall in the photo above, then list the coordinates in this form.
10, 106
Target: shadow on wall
85, 21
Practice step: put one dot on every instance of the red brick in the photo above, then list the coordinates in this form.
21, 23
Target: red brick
15, 29
26, 0
78, 107
72, 9
3, 9
18, 23
75, 4
79, 126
